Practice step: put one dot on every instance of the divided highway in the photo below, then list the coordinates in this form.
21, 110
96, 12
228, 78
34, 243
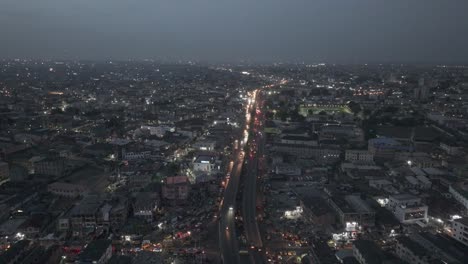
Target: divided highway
249, 201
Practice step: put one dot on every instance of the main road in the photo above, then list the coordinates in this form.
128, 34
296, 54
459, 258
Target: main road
227, 229
249, 199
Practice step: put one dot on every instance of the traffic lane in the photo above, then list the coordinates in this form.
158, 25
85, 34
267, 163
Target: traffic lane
228, 237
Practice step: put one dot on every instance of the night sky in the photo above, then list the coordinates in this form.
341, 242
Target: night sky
341, 31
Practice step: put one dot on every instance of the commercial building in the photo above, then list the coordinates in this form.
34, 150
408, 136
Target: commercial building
407, 208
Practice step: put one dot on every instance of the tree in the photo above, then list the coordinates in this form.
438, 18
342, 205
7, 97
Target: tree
355, 107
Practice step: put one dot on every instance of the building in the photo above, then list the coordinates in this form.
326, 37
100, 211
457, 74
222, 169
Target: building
204, 163
460, 230
97, 252
305, 151
136, 155
84, 215
299, 140
407, 208
66, 189
176, 188
358, 155
145, 206
421, 93
205, 145
451, 149
4, 171
54, 167
459, 192
384, 147
288, 170
441, 247
367, 252
353, 212
411, 252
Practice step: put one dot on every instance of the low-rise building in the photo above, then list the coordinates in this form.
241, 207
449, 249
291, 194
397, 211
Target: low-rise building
411, 252
204, 163
4, 171
407, 208
145, 206
359, 155
367, 252
353, 212
459, 192
176, 188
54, 167
460, 230
66, 189
205, 145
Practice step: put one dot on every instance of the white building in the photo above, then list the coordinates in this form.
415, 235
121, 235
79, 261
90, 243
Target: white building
204, 163
358, 155
460, 230
407, 208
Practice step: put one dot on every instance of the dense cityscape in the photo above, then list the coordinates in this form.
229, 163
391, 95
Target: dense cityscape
147, 162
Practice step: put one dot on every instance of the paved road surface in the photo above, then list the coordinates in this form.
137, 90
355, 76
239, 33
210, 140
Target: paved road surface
227, 229
249, 200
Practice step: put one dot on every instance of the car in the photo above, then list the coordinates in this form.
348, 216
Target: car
231, 208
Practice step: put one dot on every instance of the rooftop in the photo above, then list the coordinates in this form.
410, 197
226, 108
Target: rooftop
94, 250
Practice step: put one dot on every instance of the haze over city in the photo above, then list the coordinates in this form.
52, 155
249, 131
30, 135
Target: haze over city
336, 31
